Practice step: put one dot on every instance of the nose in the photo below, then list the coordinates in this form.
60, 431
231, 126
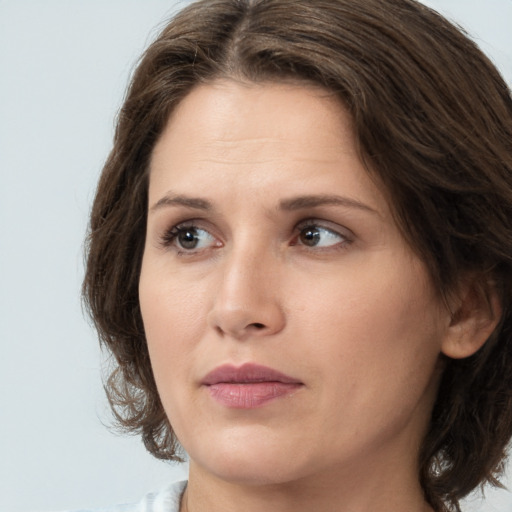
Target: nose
247, 303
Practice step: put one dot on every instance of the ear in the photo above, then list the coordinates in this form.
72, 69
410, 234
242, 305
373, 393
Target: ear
476, 311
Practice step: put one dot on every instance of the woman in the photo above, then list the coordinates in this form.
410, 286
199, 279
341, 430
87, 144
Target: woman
300, 257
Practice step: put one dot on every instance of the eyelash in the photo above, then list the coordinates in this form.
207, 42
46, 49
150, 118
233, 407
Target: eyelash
316, 225
170, 237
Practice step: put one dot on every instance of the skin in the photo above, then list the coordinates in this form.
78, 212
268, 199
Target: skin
354, 318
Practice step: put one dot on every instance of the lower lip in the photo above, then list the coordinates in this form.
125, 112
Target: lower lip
250, 395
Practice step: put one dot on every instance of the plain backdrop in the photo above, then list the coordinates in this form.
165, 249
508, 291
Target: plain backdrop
64, 65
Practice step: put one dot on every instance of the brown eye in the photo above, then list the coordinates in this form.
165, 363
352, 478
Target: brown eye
310, 236
188, 238
319, 236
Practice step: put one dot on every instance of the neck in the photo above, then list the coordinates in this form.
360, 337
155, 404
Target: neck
366, 491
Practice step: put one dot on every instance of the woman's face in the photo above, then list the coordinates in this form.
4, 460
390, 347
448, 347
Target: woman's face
291, 329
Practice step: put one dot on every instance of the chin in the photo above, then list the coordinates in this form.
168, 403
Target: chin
252, 462
254, 474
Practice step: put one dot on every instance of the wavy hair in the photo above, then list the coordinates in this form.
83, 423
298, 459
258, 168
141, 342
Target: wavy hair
433, 120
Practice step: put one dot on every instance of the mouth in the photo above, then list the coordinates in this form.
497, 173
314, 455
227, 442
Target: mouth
248, 386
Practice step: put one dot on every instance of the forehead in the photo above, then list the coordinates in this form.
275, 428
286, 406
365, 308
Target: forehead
227, 113
228, 135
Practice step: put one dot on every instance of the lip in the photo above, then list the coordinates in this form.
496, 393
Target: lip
248, 386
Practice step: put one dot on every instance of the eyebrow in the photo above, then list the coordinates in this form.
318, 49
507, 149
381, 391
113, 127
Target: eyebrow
312, 201
196, 203
292, 204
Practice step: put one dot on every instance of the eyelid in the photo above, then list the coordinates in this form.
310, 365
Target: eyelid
328, 225
340, 236
167, 238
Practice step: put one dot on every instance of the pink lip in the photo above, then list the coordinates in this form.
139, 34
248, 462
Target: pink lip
248, 386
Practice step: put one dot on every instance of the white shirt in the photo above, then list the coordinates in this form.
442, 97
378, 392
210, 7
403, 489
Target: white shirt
166, 500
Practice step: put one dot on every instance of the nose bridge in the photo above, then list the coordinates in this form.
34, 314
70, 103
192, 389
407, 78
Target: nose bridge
247, 300
246, 266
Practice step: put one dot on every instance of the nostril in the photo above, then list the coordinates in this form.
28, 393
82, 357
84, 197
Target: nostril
258, 325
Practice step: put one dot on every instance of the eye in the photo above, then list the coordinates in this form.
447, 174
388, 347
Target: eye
189, 238
313, 235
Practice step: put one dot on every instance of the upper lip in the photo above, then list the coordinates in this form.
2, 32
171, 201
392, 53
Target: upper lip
246, 374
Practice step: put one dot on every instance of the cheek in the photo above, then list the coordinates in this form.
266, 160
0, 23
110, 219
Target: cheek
174, 317
384, 324
362, 302
374, 353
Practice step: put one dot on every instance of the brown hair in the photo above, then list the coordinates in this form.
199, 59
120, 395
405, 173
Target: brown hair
433, 119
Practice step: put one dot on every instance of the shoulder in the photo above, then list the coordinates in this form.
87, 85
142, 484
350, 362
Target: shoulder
166, 500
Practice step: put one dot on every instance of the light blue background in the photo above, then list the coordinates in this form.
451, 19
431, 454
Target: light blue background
64, 65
